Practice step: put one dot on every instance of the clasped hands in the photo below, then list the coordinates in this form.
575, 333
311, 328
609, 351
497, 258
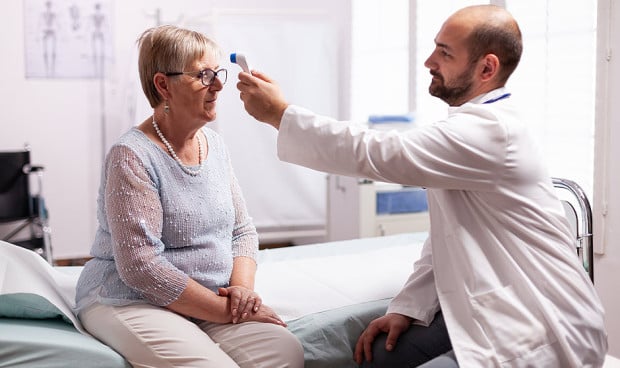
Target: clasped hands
246, 305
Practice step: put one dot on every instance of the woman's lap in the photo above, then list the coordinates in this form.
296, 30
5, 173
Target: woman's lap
147, 335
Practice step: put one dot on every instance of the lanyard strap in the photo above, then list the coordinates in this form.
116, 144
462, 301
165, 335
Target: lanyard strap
505, 95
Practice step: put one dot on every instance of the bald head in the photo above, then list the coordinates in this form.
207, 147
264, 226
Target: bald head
491, 30
484, 14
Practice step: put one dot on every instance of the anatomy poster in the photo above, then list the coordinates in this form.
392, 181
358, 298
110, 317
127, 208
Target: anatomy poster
67, 38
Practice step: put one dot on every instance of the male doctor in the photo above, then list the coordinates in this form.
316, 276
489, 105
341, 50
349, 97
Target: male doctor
498, 283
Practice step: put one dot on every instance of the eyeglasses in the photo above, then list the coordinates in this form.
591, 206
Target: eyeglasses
206, 76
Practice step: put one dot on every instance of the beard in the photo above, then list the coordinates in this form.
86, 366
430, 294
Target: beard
453, 91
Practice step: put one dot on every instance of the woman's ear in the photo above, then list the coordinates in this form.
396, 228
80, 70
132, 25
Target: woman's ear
161, 84
490, 67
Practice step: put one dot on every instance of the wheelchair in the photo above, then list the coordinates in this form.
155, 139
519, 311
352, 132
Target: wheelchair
24, 218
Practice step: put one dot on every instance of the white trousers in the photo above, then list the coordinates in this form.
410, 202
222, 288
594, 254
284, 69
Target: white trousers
150, 336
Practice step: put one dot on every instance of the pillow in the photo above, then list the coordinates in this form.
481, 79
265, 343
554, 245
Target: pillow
28, 306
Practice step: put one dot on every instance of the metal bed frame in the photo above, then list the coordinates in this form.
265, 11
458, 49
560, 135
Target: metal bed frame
583, 222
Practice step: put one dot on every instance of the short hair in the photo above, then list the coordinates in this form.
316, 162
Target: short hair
502, 40
169, 48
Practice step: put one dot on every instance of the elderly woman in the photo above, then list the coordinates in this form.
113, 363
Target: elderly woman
171, 282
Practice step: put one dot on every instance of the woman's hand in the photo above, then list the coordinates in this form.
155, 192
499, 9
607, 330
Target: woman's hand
243, 302
267, 315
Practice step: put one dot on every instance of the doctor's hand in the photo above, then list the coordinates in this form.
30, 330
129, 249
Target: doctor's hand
392, 323
262, 97
243, 302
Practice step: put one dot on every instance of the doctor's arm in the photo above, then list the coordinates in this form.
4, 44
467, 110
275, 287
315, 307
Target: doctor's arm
418, 298
465, 152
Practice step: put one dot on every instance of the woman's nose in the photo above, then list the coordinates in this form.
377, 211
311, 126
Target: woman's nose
216, 85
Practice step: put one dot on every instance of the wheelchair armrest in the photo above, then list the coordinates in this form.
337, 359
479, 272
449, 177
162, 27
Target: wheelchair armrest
28, 168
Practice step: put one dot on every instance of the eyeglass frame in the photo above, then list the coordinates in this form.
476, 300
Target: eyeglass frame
201, 75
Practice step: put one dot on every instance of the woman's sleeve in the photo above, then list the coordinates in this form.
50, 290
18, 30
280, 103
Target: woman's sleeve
244, 237
134, 215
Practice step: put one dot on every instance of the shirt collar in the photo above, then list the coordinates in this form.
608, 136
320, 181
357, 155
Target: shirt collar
490, 96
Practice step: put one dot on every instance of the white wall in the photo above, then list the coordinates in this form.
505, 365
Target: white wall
69, 123
59, 119
607, 169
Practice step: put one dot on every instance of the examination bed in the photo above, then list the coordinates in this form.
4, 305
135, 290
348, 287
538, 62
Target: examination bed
326, 292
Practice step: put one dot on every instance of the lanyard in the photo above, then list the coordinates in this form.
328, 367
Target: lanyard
505, 95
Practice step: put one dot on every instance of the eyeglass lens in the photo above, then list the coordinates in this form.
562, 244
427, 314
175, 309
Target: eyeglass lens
208, 76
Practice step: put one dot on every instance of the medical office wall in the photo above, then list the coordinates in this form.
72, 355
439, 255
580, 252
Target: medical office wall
607, 168
67, 39
69, 106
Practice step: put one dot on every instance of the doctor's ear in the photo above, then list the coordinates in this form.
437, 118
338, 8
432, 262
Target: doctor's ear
490, 66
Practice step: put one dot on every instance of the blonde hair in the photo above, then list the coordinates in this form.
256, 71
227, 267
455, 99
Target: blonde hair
166, 49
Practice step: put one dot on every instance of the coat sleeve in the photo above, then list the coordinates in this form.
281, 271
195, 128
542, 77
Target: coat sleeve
418, 297
465, 152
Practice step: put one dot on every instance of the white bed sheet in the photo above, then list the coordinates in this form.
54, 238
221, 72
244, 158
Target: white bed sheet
303, 280
295, 281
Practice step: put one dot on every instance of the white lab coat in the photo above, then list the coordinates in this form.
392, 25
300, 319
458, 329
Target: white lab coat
499, 260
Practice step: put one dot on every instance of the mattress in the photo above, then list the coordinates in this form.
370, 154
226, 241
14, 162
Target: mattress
52, 343
325, 292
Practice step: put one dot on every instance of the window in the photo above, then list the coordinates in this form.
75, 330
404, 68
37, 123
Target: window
556, 82
380, 63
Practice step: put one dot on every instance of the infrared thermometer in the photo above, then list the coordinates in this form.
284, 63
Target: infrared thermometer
240, 60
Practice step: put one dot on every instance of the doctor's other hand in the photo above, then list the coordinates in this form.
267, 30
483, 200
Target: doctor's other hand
262, 97
392, 323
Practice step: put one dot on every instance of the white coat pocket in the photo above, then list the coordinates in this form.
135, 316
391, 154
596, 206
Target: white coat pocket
512, 327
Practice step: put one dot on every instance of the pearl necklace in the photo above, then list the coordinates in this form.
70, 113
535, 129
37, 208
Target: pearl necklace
174, 154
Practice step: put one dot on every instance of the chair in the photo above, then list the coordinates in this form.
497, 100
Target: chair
579, 214
23, 213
